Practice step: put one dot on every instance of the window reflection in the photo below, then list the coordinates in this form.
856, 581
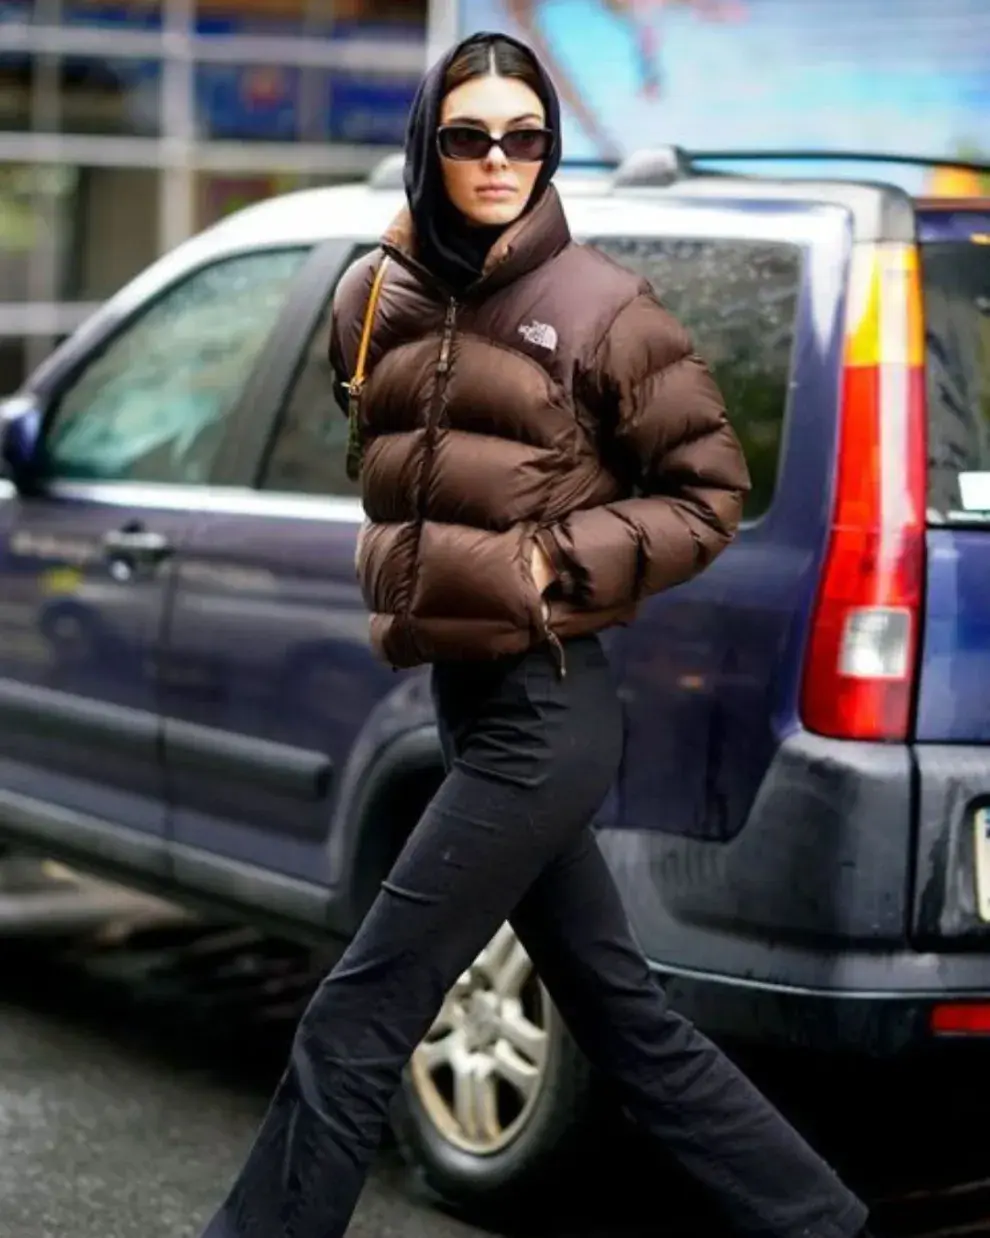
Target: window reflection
38, 220
151, 406
219, 194
103, 95
307, 16
16, 82
117, 229
248, 102
309, 454
126, 14
86, 95
739, 301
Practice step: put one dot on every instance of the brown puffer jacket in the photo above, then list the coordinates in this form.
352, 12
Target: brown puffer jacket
558, 401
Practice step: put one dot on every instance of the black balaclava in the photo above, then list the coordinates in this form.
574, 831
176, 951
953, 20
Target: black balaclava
450, 247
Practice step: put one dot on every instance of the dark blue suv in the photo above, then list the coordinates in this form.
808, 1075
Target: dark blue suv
801, 827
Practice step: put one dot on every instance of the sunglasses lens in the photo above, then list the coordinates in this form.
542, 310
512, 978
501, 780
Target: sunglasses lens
463, 142
526, 145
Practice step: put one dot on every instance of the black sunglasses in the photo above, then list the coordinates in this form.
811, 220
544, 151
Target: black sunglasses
469, 143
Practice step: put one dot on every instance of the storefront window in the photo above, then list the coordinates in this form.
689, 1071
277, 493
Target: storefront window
16, 75
261, 74
117, 230
110, 96
309, 17
248, 102
86, 95
38, 215
219, 195
74, 234
12, 364
273, 103
111, 14
369, 109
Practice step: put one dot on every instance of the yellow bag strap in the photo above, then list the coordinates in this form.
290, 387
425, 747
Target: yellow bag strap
361, 363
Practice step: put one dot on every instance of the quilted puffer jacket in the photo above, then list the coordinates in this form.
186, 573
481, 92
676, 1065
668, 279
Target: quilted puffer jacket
557, 400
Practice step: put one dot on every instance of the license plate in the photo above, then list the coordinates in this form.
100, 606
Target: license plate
981, 841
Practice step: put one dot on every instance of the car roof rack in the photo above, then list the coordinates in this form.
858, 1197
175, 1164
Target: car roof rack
658, 167
837, 156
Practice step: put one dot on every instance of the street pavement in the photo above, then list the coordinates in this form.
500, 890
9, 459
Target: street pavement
126, 1107
115, 1129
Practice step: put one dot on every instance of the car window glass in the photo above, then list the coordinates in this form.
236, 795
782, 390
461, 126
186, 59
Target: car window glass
739, 301
309, 452
957, 356
151, 406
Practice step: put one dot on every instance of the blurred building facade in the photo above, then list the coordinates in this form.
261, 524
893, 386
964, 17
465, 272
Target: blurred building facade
128, 125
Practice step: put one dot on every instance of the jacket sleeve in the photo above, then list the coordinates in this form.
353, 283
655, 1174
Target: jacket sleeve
665, 423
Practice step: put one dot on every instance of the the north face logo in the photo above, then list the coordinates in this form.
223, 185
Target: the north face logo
541, 334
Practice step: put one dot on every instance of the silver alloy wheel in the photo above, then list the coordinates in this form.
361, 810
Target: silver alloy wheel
481, 1068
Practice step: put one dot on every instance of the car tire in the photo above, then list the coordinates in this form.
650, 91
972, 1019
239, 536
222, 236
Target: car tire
533, 1094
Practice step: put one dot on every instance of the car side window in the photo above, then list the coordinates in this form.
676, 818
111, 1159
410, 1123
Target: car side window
309, 452
151, 406
739, 300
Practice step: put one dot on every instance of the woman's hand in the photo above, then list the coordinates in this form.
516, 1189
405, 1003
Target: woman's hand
541, 567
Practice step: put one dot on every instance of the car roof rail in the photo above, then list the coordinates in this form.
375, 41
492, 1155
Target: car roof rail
805, 155
658, 167
388, 173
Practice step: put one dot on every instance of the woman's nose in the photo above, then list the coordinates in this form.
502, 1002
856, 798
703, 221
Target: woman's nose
496, 157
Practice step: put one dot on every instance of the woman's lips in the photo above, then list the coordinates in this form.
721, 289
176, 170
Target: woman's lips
496, 191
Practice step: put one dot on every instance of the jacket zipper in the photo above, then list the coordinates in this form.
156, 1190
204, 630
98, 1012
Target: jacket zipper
443, 365
552, 639
433, 422
436, 407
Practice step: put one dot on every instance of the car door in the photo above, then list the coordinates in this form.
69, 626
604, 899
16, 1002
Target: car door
708, 669
131, 435
269, 615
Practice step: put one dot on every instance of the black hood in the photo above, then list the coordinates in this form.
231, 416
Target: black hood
446, 244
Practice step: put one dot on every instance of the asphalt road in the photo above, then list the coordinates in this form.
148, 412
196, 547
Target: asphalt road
115, 1127
133, 1079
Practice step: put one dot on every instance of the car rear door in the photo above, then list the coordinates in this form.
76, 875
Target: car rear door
953, 708
269, 675
135, 416
954, 702
710, 671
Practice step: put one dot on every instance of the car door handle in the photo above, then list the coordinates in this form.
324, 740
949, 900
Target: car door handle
137, 545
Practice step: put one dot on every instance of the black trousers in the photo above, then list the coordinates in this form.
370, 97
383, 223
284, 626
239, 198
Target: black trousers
531, 757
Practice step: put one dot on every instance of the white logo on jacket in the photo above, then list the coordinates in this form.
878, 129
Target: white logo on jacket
540, 334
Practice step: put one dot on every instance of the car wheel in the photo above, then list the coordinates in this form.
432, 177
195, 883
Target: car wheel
494, 1101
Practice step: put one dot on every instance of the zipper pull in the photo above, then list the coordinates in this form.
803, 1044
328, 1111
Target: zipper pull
559, 657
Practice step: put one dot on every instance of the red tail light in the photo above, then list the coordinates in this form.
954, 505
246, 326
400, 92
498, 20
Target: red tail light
860, 667
960, 1019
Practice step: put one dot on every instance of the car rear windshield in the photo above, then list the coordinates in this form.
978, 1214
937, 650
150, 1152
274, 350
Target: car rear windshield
739, 299
956, 276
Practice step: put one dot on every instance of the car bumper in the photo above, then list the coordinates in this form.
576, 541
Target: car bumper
802, 928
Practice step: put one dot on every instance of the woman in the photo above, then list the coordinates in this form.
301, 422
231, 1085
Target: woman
541, 450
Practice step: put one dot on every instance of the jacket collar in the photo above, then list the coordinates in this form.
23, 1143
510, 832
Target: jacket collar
525, 245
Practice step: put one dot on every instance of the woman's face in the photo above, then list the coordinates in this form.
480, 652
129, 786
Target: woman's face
492, 190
